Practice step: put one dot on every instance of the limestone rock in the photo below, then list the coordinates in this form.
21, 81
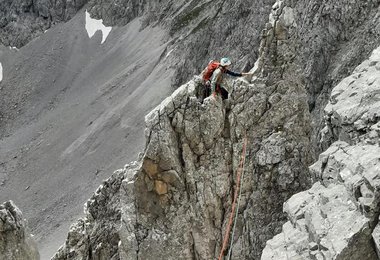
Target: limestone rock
376, 238
97, 234
337, 214
337, 218
180, 198
15, 241
353, 111
325, 224
21, 21
177, 203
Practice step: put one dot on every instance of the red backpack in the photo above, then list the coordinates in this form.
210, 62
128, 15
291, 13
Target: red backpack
211, 67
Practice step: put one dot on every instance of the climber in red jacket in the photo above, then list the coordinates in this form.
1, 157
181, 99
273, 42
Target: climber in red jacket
213, 77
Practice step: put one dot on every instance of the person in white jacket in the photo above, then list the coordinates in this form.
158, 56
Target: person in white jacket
218, 75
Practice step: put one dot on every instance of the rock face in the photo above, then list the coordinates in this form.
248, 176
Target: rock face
63, 64
176, 204
23, 20
15, 242
353, 112
337, 218
336, 38
178, 201
97, 236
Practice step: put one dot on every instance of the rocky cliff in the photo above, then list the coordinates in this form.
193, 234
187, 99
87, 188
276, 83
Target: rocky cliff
338, 217
50, 160
177, 199
15, 241
174, 203
21, 20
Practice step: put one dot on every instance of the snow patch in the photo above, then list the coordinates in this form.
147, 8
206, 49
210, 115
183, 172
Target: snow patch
1, 72
93, 25
167, 55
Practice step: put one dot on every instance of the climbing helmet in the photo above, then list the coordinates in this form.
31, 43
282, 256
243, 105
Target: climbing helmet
225, 62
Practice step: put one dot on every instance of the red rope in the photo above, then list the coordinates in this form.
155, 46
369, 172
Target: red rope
228, 230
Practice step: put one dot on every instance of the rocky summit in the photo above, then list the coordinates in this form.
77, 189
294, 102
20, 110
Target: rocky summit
286, 168
72, 102
177, 200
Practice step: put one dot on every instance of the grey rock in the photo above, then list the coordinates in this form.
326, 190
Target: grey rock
22, 21
327, 40
200, 146
194, 33
376, 238
337, 218
97, 234
178, 203
273, 150
326, 223
16, 243
354, 105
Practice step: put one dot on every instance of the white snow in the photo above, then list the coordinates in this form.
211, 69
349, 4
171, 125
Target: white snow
1, 72
167, 55
93, 25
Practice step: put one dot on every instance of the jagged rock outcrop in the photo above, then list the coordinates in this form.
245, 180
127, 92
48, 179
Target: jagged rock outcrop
52, 68
178, 202
15, 242
331, 39
326, 40
97, 236
338, 217
21, 20
353, 112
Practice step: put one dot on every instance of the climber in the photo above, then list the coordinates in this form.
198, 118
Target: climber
213, 76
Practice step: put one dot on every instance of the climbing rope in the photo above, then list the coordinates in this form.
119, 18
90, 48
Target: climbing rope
237, 210
235, 204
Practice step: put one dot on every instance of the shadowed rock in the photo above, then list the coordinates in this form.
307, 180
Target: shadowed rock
15, 242
337, 218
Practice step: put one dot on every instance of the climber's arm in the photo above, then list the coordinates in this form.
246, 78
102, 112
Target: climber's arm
235, 74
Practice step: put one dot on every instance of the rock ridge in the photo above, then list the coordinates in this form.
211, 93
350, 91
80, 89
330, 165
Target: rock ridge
338, 217
180, 195
175, 201
179, 198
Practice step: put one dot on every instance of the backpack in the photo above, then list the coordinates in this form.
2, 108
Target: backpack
211, 67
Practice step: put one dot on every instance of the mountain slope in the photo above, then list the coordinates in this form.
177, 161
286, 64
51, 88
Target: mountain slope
72, 109
21, 20
179, 195
77, 116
